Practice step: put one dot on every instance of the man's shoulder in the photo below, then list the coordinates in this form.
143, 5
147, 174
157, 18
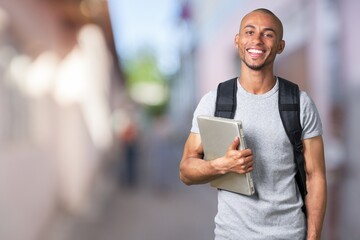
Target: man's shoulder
306, 99
210, 95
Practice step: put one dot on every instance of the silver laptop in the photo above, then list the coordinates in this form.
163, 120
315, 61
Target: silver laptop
216, 136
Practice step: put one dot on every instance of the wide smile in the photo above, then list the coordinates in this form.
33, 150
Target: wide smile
254, 53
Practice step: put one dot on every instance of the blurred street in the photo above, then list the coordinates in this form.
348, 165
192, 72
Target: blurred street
178, 214
97, 99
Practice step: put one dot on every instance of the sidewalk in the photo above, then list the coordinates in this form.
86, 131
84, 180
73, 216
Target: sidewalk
184, 213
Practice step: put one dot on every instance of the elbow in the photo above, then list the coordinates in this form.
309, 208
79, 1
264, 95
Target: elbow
317, 178
318, 174
184, 179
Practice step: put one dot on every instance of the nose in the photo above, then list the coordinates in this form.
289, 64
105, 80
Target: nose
257, 38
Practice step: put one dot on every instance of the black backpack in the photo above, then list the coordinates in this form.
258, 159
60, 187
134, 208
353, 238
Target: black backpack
289, 109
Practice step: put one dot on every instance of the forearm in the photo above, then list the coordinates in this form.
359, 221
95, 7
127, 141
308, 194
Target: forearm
198, 171
316, 205
195, 170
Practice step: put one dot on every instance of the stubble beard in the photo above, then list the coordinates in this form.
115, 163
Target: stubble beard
255, 67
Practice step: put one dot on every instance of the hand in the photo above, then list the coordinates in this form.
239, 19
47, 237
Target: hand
237, 161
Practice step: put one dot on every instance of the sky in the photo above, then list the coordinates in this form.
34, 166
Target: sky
143, 23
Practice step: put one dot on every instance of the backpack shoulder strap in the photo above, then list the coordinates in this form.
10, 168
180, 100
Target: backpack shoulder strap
289, 108
226, 99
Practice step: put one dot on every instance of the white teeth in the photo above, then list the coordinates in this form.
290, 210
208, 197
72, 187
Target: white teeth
254, 51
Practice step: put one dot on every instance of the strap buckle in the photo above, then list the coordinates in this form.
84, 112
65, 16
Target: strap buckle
298, 142
299, 146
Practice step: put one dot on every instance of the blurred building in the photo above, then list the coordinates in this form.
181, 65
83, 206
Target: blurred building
59, 84
184, 84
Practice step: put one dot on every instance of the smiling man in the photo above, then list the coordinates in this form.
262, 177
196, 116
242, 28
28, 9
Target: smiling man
247, 41
276, 210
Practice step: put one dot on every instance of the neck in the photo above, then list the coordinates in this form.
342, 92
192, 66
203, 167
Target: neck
257, 82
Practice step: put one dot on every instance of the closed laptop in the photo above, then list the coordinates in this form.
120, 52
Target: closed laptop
216, 136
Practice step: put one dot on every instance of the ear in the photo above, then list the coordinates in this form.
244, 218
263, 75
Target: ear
281, 47
236, 40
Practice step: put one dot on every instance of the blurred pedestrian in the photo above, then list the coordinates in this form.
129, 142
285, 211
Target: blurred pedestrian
127, 131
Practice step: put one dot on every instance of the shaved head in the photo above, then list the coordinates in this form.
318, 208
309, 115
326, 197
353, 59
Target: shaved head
259, 39
270, 13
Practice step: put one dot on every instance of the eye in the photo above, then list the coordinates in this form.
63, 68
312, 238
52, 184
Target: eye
249, 32
268, 35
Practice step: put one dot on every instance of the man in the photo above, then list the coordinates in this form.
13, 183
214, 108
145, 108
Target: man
274, 211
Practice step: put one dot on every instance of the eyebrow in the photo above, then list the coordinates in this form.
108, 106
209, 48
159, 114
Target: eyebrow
248, 26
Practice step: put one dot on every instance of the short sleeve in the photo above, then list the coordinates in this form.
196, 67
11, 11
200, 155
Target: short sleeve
309, 117
205, 107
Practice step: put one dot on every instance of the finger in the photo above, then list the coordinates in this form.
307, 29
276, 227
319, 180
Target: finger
235, 144
248, 166
246, 152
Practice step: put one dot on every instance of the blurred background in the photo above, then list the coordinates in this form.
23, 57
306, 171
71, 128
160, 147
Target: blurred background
96, 102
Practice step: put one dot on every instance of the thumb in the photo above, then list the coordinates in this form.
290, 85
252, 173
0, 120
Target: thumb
235, 144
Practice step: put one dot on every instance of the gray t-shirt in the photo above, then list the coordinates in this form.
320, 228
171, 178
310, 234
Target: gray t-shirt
274, 211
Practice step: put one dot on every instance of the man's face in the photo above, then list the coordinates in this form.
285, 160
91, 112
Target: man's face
259, 40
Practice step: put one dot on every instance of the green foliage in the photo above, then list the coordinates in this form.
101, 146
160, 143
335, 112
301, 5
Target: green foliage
143, 77
142, 68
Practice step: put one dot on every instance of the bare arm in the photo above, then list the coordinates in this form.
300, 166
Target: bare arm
316, 186
194, 170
